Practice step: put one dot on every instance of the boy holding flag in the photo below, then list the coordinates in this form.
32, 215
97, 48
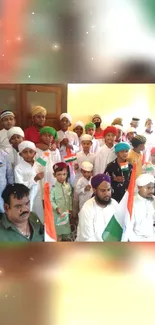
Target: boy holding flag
120, 171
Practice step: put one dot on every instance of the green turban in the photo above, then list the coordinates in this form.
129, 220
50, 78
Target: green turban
50, 130
90, 125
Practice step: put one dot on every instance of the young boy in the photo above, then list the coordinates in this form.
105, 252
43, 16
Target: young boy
78, 128
32, 133
120, 171
83, 186
130, 134
119, 133
69, 142
15, 136
61, 199
84, 155
7, 119
47, 138
27, 172
90, 129
107, 153
6, 176
136, 154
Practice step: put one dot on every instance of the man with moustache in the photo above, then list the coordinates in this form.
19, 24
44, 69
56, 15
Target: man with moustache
141, 227
97, 211
18, 224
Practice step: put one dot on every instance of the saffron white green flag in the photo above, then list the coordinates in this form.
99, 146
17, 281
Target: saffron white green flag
116, 228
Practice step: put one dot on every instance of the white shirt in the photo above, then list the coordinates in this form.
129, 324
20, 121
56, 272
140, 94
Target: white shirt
103, 158
73, 140
80, 190
4, 141
14, 157
53, 158
25, 174
80, 158
93, 220
143, 216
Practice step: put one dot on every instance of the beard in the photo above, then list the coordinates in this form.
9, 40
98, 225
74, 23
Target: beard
97, 124
102, 201
151, 198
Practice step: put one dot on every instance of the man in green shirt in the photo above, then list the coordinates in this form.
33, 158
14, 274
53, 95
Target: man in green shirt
18, 224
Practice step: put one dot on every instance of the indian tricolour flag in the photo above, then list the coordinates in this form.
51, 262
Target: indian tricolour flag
115, 230
43, 160
124, 166
50, 232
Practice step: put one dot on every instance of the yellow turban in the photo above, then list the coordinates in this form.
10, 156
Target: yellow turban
37, 110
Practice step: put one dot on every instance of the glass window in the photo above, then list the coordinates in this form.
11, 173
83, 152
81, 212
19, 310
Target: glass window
8, 100
45, 99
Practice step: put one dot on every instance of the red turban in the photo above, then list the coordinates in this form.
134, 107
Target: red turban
110, 129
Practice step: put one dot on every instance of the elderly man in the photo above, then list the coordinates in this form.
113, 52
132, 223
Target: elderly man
38, 121
97, 211
17, 223
141, 227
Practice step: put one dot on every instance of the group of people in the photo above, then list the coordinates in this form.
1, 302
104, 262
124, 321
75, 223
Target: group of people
88, 171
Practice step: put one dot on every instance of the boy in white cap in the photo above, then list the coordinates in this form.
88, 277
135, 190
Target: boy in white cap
68, 139
141, 226
78, 128
130, 134
83, 155
27, 172
7, 119
15, 136
83, 186
90, 129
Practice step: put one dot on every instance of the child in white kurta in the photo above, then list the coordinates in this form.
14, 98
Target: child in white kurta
84, 155
69, 142
7, 119
90, 129
78, 128
27, 172
15, 137
107, 153
51, 155
83, 186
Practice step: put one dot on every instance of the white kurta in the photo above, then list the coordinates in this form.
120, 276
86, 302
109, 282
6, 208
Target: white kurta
150, 143
73, 140
24, 174
54, 157
81, 157
95, 147
141, 227
103, 158
14, 157
4, 141
80, 190
93, 220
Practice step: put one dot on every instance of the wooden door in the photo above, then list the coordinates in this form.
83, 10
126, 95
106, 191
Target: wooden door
52, 97
10, 99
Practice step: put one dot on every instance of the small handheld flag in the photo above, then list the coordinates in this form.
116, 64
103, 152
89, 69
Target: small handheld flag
43, 160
